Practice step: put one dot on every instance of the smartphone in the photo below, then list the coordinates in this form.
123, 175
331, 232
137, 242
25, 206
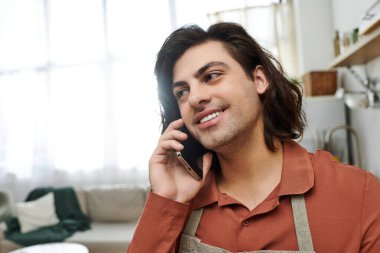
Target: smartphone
191, 156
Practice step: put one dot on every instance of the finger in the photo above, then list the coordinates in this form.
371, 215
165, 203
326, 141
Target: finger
168, 145
161, 159
207, 161
176, 124
174, 134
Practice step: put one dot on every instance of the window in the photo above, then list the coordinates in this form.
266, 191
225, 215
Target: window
77, 90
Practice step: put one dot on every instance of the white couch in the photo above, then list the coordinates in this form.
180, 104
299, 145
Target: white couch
113, 211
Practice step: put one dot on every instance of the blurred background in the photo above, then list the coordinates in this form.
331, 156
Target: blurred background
78, 102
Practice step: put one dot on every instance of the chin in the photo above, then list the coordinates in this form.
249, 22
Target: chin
214, 144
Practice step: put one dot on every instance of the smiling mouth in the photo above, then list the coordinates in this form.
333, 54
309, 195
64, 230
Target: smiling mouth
210, 116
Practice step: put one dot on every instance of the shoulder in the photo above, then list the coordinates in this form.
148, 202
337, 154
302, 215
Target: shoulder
345, 178
344, 200
324, 163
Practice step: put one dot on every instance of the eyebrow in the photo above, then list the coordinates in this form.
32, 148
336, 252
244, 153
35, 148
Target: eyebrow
201, 71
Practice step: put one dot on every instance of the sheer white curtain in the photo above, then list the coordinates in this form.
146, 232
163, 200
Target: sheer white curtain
78, 100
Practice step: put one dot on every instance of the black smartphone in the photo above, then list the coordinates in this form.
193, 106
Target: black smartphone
191, 156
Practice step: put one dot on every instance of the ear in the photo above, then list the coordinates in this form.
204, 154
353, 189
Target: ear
260, 79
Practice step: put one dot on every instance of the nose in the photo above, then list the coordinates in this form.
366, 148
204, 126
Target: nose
199, 95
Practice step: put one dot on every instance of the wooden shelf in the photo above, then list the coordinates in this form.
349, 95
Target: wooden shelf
365, 50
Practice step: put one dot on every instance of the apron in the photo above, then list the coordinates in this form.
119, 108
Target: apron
190, 244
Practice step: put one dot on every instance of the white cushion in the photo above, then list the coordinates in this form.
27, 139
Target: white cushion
37, 213
106, 232
115, 203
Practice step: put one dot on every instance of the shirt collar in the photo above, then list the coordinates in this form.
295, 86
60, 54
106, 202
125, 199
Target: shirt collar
208, 194
297, 176
297, 172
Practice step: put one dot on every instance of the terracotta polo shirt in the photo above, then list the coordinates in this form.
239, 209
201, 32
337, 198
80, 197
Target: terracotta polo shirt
342, 202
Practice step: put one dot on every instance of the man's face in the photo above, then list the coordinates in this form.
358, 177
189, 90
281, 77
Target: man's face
218, 102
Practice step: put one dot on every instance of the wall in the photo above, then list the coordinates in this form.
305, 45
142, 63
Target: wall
346, 14
367, 124
316, 22
314, 34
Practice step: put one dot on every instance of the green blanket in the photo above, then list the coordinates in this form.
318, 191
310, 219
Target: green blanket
71, 219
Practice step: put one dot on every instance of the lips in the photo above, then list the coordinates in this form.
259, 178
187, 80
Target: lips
207, 115
210, 117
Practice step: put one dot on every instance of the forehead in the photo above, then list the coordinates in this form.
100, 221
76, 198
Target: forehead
199, 55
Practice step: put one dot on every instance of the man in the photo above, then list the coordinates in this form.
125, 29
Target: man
260, 189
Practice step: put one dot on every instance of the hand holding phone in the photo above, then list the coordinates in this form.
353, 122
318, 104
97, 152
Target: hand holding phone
168, 178
191, 156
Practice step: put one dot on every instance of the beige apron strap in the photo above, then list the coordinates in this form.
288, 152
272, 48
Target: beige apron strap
192, 224
301, 223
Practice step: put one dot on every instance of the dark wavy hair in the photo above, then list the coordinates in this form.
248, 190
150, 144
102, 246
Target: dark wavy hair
283, 115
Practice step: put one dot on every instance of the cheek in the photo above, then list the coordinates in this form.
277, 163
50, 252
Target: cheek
185, 113
247, 92
248, 102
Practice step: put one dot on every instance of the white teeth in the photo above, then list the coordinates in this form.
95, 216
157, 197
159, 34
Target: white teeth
210, 117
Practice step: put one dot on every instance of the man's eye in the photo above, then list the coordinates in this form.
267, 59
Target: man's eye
211, 76
180, 93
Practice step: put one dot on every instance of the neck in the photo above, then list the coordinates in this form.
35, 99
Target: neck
250, 172
253, 164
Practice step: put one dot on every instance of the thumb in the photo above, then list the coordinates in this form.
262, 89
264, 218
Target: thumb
207, 160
